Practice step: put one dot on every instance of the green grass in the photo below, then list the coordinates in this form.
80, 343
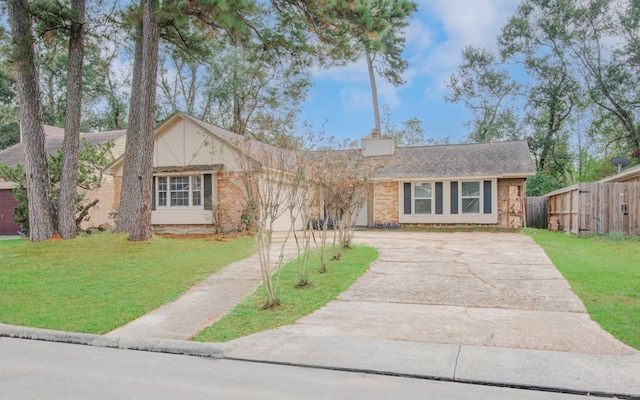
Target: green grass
605, 273
97, 283
11, 242
249, 316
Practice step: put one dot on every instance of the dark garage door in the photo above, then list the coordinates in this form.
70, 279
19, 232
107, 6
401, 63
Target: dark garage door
7, 204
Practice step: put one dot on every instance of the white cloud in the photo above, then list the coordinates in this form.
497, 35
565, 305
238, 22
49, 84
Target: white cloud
352, 72
418, 34
355, 99
459, 23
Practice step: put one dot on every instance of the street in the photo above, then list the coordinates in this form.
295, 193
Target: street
48, 370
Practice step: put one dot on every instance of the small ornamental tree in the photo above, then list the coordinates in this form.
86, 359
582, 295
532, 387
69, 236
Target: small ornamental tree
343, 178
266, 180
304, 204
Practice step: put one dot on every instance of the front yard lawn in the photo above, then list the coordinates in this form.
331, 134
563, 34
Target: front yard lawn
97, 283
248, 317
604, 273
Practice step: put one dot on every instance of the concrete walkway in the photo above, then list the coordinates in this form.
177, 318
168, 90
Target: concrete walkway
204, 303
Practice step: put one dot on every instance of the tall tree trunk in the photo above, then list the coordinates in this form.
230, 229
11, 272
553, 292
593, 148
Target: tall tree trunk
36, 167
374, 93
136, 194
129, 176
69, 178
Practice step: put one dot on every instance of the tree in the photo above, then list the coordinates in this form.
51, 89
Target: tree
383, 45
535, 37
486, 88
36, 168
9, 114
269, 179
410, 134
243, 90
135, 205
69, 181
604, 39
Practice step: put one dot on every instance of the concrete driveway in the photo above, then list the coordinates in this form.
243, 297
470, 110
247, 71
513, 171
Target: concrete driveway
483, 289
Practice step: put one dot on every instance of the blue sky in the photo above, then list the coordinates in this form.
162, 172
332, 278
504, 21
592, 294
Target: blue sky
341, 97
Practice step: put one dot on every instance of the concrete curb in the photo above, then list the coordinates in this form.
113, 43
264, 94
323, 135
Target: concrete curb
211, 350
570, 373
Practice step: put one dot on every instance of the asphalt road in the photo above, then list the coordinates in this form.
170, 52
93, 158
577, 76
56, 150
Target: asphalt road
47, 370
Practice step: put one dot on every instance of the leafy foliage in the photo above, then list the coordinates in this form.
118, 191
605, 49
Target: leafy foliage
92, 161
566, 72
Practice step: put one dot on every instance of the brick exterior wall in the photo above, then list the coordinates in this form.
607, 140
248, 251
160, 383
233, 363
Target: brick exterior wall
385, 202
511, 197
231, 195
510, 204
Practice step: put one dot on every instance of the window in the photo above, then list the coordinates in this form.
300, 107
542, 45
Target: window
196, 194
180, 191
162, 191
470, 197
422, 198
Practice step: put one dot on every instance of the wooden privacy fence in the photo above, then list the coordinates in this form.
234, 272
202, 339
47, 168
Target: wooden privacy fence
597, 208
536, 212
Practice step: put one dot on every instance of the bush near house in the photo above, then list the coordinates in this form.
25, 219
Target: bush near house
97, 283
605, 273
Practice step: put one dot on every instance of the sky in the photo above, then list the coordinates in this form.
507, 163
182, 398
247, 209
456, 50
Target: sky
340, 100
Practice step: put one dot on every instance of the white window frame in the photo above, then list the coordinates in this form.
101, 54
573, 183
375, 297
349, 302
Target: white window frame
194, 192
462, 197
164, 189
430, 198
197, 186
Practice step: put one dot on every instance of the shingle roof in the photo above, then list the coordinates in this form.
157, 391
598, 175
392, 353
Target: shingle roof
457, 160
54, 137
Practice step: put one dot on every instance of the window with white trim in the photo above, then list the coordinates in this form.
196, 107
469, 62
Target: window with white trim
196, 192
470, 197
422, 197
179, 191
162, 191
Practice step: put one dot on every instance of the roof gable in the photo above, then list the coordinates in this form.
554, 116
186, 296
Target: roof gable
202, 145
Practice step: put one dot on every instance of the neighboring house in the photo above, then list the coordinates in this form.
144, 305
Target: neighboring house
480, 184
631, 174
14, 155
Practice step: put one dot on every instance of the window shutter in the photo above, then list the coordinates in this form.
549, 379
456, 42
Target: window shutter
208, 191
487, 197
454, 197
438, 197
407, 198
153, 193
